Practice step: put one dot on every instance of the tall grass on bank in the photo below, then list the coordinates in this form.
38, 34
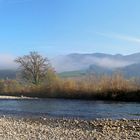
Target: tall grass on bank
114, 87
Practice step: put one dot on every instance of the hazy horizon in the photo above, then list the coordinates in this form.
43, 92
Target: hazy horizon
69, 63
56, 28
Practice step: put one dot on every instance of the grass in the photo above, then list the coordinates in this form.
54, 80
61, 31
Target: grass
114, 87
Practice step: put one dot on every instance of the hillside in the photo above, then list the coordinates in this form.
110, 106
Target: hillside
73, 65
97, 63
74, 62
8, 74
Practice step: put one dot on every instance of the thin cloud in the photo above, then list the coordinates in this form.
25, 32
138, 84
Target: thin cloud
120, 37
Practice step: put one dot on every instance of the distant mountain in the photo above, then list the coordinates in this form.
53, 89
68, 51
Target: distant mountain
98, 63
74, 62
131, 70
94, 69
8, 74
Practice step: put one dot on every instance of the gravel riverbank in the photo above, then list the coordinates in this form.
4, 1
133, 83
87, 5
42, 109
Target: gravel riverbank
68, 129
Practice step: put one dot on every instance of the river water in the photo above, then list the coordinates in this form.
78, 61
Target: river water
83, 109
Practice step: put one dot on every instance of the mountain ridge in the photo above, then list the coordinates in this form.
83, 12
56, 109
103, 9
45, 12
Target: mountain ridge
77, 64
77, 61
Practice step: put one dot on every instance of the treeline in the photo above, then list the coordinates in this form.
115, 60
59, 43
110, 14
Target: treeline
114, 87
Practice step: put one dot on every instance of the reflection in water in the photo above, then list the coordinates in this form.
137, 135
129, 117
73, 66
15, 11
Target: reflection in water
70, 108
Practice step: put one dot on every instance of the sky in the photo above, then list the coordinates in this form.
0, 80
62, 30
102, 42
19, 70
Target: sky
59, 27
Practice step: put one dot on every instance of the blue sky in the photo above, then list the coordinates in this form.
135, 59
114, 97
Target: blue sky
57, 27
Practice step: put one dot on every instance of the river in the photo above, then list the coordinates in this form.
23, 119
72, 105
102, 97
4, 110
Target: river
82, 109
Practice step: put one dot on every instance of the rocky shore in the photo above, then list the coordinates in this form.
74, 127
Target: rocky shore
68, 129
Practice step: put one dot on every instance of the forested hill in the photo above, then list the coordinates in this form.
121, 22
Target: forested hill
8, 74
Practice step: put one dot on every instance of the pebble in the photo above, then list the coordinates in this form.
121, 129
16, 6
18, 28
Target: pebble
66, 129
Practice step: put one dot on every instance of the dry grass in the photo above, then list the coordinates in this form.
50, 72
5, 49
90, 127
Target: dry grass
114, 87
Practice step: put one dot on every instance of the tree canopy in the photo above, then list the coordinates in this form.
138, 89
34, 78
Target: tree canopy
33, 67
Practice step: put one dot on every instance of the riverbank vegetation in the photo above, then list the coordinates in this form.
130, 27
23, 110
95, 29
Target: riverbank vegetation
38, 79
114, 87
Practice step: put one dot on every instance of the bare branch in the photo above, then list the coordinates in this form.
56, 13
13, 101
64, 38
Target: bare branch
33, 67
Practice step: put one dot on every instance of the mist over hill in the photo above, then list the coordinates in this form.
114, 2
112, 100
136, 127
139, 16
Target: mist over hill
80, 64
98, 63
77, 61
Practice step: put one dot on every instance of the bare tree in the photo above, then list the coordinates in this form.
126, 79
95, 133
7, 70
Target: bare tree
33, 67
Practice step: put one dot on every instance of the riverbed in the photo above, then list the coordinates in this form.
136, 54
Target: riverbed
68, 129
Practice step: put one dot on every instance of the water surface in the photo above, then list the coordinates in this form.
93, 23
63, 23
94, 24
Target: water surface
83, 109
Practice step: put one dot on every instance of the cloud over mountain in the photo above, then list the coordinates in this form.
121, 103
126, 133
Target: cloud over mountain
74, 62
